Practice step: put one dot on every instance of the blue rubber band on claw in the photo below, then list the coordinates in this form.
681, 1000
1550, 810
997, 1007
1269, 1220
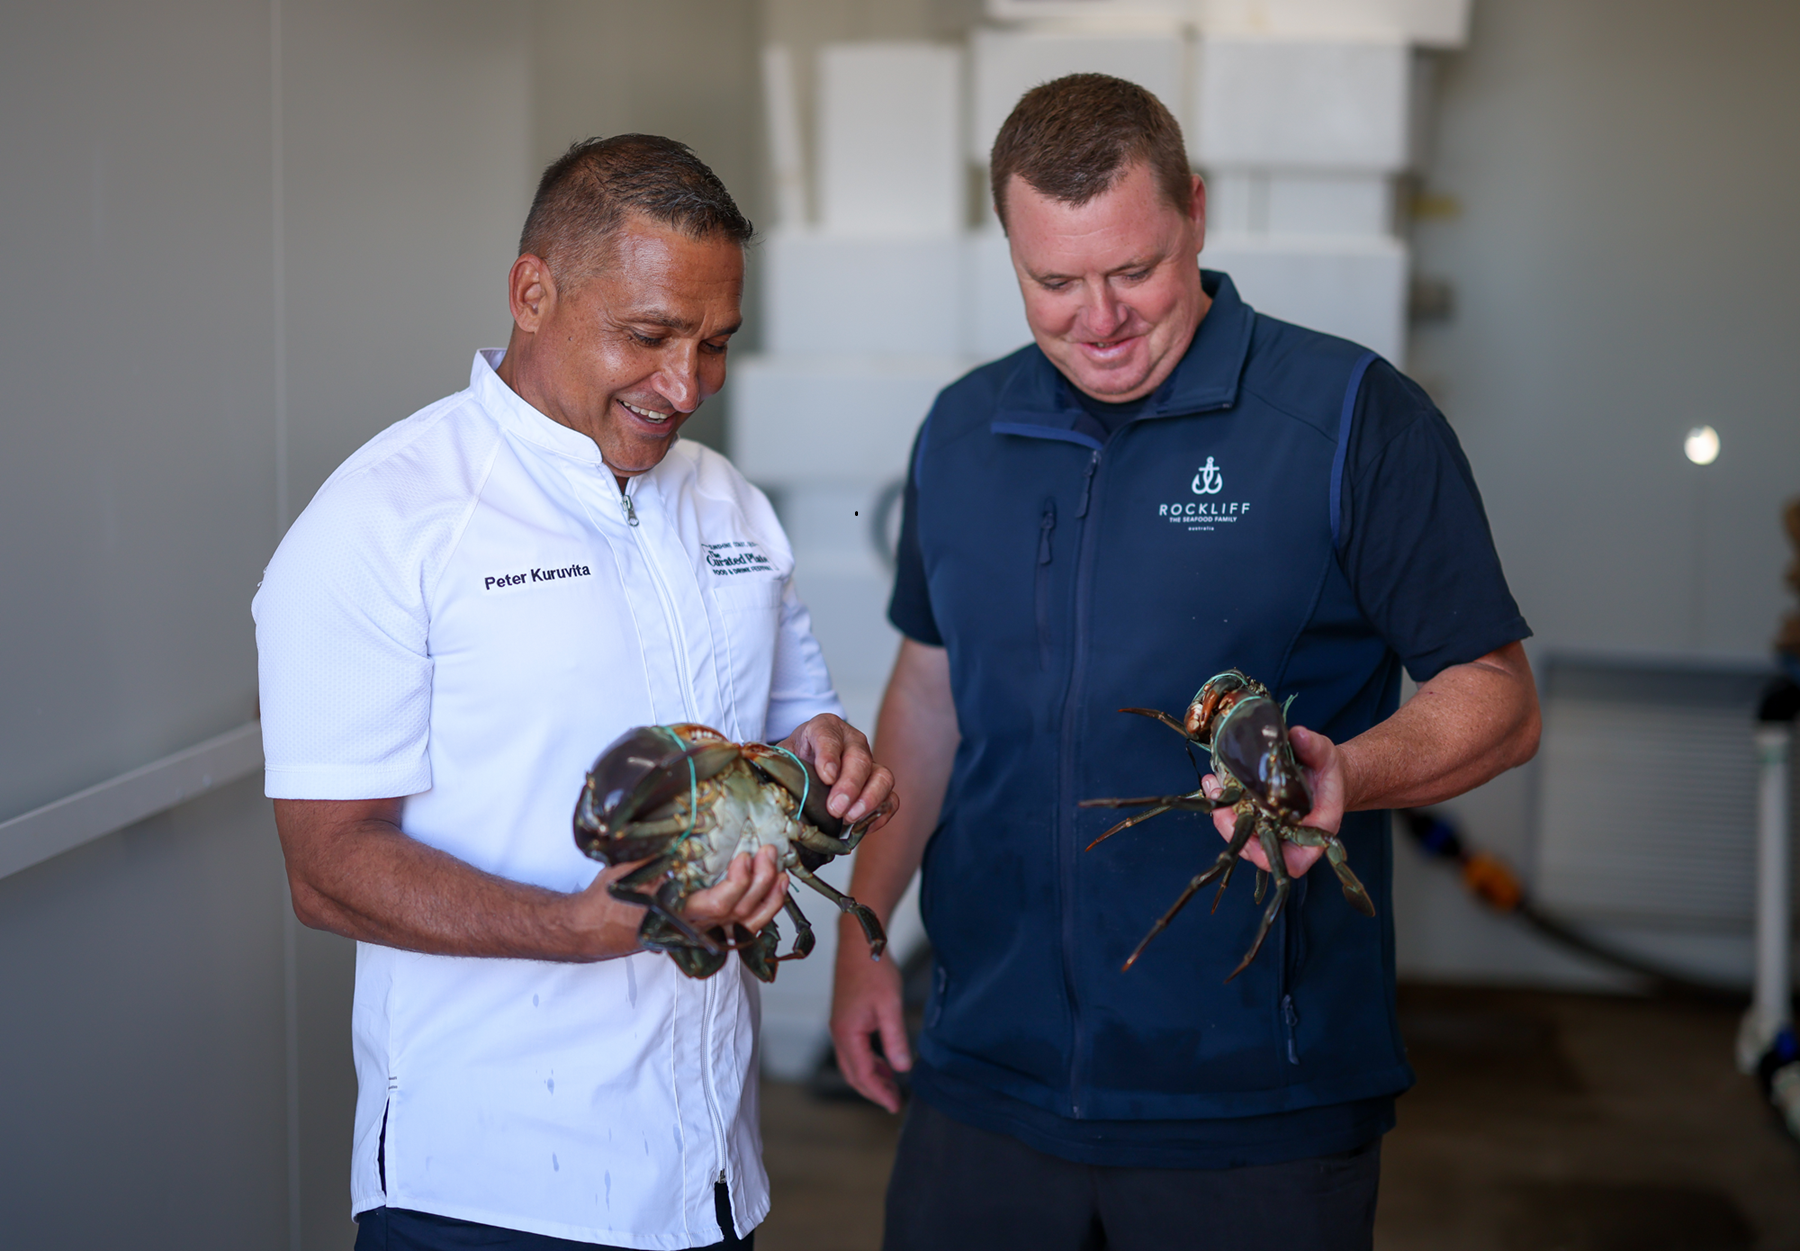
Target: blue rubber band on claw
805, 776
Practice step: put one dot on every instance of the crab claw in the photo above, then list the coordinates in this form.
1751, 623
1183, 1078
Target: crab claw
643, 769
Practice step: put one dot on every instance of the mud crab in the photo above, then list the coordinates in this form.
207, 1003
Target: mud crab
1235, 718
685, 800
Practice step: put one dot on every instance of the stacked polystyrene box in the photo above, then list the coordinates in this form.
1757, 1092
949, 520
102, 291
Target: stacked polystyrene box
863, 323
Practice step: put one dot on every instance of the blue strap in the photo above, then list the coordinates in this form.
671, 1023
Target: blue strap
693, 805
1343, 444
805, 777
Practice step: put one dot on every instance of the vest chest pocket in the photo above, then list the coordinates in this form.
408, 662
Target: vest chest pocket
1041, 586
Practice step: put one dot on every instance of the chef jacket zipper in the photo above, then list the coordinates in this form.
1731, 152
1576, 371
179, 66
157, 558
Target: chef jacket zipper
1065, 842
677, 636
710, 1009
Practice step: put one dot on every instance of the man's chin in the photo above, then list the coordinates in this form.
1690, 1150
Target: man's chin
1113, 384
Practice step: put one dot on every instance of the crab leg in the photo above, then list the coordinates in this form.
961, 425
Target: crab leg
871, 925
1240, 835
803, 932
1163, 717
1339, 860
1193, 802
643, 875
1271, 846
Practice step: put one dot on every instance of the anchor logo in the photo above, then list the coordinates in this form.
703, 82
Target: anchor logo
1209, 481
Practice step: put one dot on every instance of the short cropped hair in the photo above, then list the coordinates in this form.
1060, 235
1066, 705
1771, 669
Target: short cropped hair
1074, 137
584, 197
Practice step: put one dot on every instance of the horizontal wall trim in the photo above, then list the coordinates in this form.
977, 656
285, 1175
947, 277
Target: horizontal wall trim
118, 802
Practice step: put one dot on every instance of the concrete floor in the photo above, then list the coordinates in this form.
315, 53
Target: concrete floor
1541, 1121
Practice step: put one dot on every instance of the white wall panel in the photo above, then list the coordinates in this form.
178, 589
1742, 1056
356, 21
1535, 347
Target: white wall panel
797, 420
1249, 201
996, 311
1431, 23
889, 139
1008, 63
1355, 289
1318, 105
831, 294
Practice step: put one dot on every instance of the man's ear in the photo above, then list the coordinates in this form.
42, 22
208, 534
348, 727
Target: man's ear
1197, 210
531, 291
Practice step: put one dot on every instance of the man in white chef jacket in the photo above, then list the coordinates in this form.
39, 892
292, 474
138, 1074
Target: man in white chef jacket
474, 604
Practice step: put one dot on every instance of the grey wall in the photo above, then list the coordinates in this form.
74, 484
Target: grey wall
136, 337
242, 236
1620, 178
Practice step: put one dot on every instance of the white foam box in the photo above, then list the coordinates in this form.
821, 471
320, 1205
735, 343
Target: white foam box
1008, 63
1429, 23
890, 127
844, 574
796, 420
1354, 288
1254, 201
993, 308
1108, 12
831, 295
1301, 104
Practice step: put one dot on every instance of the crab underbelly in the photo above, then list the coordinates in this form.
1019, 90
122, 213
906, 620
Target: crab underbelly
745, 817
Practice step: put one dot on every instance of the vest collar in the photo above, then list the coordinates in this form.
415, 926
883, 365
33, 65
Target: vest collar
1205, 379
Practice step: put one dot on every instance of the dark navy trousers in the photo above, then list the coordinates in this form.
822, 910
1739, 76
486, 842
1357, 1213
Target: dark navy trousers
398, 1229
958, 1188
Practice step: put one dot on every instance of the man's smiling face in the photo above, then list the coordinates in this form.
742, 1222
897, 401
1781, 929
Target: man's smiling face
1112, 290
635, 348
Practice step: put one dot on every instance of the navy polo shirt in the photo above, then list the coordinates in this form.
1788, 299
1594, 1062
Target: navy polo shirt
1285, 503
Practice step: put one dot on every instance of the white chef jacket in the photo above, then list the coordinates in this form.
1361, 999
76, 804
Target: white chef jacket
465, 615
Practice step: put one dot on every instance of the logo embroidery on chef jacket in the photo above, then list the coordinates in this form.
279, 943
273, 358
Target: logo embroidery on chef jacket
737, 556
500, 581
1205, 513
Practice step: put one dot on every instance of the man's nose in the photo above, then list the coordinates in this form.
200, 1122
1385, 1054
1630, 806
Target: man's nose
678, 380
1102, 313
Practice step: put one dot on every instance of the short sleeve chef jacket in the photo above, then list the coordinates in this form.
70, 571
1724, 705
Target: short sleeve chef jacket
466, 614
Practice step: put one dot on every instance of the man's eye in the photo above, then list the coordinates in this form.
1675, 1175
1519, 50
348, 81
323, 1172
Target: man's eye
648, 340
1137, 275
1054, 284
717, 349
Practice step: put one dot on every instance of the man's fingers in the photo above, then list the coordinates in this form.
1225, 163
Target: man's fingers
822, 741
765, 872
769, 904
875, 791
867, 1073
894, 1044
717, 901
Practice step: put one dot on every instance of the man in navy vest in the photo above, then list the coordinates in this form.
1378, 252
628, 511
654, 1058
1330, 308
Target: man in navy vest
1165, 485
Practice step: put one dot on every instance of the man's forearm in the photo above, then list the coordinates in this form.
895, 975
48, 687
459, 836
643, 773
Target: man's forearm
1465, 726
362, 877
916, 737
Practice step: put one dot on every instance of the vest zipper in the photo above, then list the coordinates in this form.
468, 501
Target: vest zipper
629, 509
1046, 525
1065, 809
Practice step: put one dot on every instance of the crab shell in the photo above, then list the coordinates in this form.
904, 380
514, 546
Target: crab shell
1235, 717
648, 773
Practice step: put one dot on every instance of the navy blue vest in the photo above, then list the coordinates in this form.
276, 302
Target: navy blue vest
1070, 577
